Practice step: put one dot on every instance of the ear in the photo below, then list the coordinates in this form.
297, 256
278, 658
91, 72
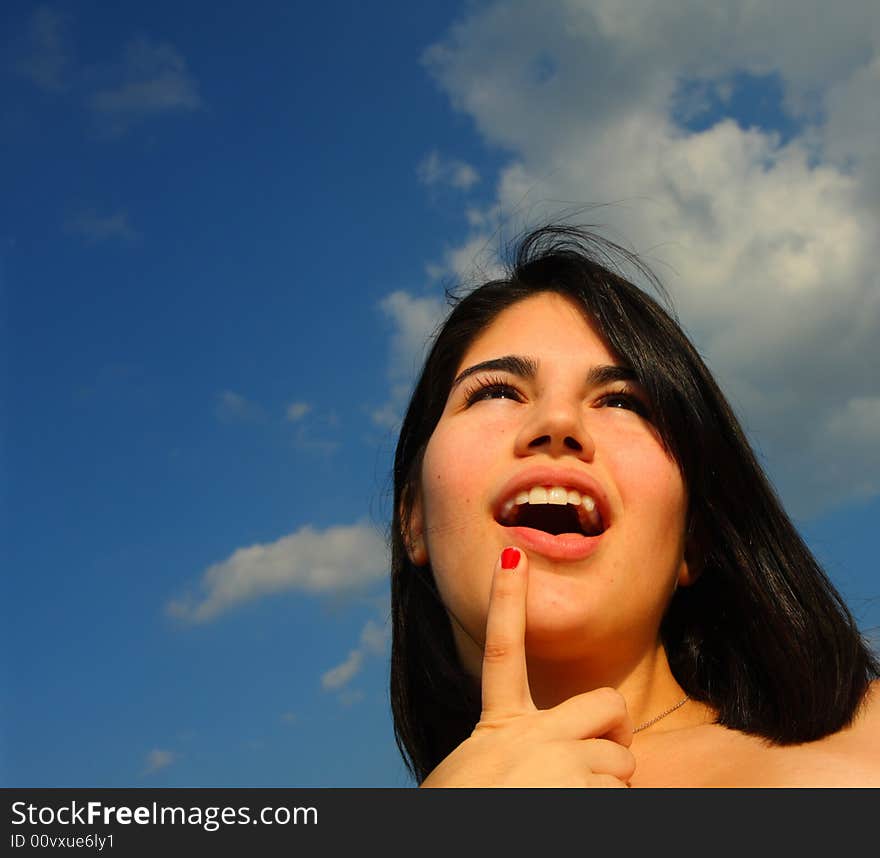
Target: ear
414, 532
692, 564
687, 574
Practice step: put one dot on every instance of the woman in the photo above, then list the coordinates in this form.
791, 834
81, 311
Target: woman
593, 582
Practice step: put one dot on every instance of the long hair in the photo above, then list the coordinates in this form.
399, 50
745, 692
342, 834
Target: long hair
762, 636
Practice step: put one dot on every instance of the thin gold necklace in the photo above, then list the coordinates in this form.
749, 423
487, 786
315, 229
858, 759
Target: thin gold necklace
656, 718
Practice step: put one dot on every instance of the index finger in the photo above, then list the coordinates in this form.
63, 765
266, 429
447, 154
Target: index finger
505, 680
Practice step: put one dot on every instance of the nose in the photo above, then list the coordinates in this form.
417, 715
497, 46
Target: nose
556, 429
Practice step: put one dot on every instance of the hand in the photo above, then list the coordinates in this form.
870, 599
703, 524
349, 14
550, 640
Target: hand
582, 742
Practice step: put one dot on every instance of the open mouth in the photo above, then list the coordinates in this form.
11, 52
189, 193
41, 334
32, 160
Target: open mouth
553, 510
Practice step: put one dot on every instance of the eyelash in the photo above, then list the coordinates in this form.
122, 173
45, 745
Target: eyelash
480, 389
637, 405
483, 387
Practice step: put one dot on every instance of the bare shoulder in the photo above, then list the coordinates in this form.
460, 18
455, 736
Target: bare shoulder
712, 756
862, 737
869, 713
848, 758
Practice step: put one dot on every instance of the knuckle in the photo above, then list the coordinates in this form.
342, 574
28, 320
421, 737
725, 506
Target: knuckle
627, 763
504, 589
608, 782
492, 722
610, 758
611, 699
495, 651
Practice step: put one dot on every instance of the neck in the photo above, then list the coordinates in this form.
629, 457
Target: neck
647, 683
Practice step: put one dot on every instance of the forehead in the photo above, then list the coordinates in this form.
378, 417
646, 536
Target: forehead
546, 324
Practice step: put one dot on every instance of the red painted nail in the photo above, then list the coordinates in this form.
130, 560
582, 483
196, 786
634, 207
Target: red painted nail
510, 558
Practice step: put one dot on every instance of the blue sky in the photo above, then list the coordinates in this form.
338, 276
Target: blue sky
226, 235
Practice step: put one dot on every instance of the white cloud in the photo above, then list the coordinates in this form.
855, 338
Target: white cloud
476, 260
232, 407
767, 244
852, 129
97, 228
153, 80
158, 759
373, 642
47, 58
414, 320
316, 436
374, 638
340, 559
343, 673
435, 169
349, 696
852, 430
297, 410
389, 415
857, 423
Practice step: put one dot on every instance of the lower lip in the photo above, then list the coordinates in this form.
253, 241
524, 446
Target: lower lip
565, 546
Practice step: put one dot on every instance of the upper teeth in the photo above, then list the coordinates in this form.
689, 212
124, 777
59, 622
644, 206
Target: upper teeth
559, 495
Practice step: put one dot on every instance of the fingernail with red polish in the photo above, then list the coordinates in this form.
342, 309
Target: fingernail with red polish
510, 558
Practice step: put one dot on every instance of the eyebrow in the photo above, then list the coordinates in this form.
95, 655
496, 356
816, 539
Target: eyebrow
527, 368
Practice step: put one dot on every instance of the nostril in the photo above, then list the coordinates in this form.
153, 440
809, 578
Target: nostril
537, 442
568, 442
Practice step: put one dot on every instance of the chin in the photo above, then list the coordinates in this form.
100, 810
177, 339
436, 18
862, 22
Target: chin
554, 630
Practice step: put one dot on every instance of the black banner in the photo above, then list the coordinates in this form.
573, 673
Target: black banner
123, 822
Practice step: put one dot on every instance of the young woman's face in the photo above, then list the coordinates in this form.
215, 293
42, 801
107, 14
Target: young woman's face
535, 418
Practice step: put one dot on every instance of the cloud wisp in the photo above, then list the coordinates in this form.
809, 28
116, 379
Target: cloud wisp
296, 411
413, 320
47, 61
158, 759
232, 407
373, 642
340, 559
152, 80
435, 169
96, 228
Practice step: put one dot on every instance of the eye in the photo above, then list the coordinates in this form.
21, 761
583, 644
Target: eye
629, 401
490, 388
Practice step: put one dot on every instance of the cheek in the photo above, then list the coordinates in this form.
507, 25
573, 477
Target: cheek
453, 486
653, 495
461, 549
446, 500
